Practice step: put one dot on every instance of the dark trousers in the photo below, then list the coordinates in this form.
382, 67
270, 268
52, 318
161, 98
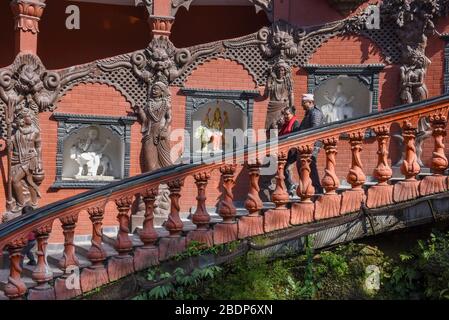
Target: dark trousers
26, 251
293, 158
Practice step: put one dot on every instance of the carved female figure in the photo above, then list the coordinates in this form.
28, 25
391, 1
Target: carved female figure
280, 92
156, 120
216, 128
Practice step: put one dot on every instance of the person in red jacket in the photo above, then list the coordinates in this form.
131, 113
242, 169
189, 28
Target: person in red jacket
291, 124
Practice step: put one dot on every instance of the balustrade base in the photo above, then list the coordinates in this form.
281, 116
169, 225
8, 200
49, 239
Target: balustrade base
120, 266
44, 292
225, 232
249, 226
171, 246
302, 212
92, 278
327, 206
379, 196
276, 219
62, 291
406, 190
145, 257
433, 184
203, 236
351, 200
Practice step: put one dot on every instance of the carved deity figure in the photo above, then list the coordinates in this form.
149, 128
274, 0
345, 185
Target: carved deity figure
26, 161
211, 132
156, 120
339, 106
413, 73
414, 21
280, 93
89, 152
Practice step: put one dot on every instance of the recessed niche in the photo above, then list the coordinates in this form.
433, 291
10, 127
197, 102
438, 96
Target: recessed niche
92, 150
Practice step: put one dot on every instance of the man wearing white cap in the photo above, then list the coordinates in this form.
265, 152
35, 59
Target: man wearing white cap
313, 118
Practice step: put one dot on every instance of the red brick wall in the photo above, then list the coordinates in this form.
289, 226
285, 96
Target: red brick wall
105, 31
229, 75
94, 99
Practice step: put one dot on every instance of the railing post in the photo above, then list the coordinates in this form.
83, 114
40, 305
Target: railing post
95, 275
175, 242
328, 205
437, 182
42, 274
302, 212
69, 261
201, 217
148, 254
382, 193
15, 289
409, 188
227, 230
278, 218
353, 198
122, 265
252, 224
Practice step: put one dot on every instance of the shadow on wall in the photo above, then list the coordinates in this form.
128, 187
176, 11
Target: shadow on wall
6, 34
105, 31
202, 24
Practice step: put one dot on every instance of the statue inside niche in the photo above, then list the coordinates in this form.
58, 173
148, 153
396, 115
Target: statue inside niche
338, 107
211, 132
280, 92
88, 152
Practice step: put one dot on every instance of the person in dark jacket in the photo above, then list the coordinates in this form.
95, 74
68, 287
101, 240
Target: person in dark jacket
313, 118
291, 124
31, 241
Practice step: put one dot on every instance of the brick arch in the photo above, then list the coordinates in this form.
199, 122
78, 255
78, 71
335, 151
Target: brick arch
348, 49
89, 98
220, 73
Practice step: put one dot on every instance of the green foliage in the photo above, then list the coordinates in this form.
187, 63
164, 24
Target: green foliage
338, 273
176, 285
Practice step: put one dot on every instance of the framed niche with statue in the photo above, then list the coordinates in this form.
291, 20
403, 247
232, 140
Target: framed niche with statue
92, 150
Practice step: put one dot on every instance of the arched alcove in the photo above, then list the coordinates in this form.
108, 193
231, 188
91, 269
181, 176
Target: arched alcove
109, 148
105, 30
208, 21
342, 97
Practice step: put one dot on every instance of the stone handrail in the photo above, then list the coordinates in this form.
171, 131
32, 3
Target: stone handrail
310, 208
